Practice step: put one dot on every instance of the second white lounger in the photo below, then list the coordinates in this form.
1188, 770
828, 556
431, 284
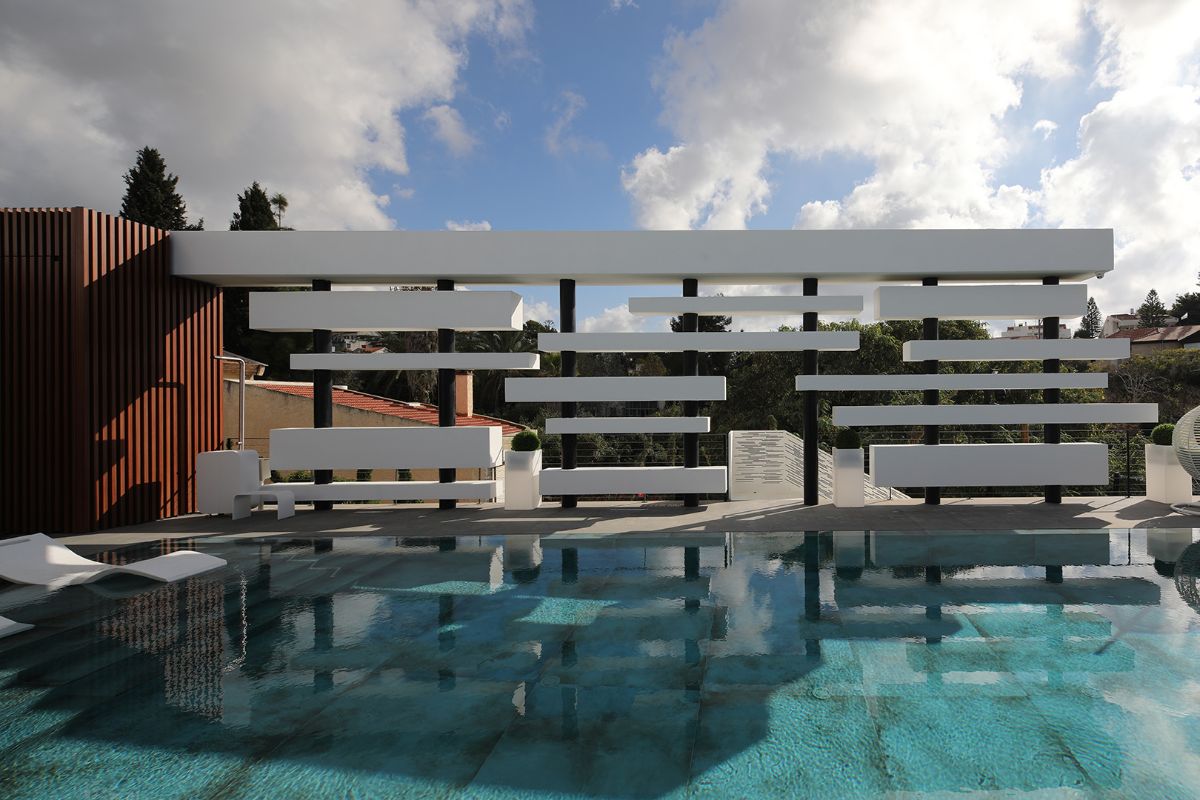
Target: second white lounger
39, 559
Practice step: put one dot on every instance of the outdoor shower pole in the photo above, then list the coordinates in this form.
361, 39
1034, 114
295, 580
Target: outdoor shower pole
322, 395
241, 362
447, 396
1052, 434
566, 314
929, 332
691, 408
812, 485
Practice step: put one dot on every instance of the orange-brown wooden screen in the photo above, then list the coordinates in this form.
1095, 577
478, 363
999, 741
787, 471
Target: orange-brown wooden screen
108, 388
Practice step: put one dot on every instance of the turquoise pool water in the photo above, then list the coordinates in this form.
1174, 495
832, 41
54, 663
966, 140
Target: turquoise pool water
848, 664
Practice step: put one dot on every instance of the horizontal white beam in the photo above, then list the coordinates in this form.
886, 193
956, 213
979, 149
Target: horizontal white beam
347, 491
349, 312
1016, 349
952, 381
616, 389
908, 465
1003, 301
627, 425
766, 306
633, 480
414, 361
1015, 414
709, 342
385, 448
624, 258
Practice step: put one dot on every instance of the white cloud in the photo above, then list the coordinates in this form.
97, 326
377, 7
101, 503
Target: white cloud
502, 121
560, 137
450, 129
1046, 127
540, 311
468, 225
616, 318
299, 97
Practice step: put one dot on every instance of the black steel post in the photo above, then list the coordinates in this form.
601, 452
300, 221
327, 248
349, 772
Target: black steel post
567, 368
1052, 433
812, 480
691, 408
447, 395
929, 331
322, 395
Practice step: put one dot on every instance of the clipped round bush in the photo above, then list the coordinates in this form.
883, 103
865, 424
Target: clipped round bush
847, 439
526, 441
1162, 433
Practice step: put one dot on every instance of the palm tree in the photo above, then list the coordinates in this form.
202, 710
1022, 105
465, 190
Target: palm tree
280, 204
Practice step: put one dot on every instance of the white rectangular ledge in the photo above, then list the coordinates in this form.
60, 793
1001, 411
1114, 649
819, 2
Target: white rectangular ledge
911, 465
773, 305
614, 389
714, 342
997, 301
627, 425
1016, 349
633, 480
347, 491
350, 312
1017, 414
626, 258
386, 448
952, 381
361, 362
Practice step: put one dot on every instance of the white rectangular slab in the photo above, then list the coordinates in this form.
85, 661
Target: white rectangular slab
627, 425
385, 448
772, 305
348, 491
1010, 414
350, 312
626, 258
615, 389
633, 480
910, 465
952, 381
996, 301
1016, 349
716, 342
360, 362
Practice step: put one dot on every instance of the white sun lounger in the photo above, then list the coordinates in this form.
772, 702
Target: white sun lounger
39, 559
8, 627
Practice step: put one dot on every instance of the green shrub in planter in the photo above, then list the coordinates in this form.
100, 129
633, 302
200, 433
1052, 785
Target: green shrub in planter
847, 439
526, 441
1162, 433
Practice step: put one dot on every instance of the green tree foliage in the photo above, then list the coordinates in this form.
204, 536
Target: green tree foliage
1152, 313
280, 203
151, 197
254, 211
1186, 308
1092, 323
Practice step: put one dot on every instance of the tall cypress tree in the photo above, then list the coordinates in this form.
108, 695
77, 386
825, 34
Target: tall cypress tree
1152, 313
254, 211
1091, 325
150, 194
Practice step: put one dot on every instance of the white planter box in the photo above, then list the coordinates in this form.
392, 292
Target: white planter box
848, 478
1166, 481
220, 474
522, 479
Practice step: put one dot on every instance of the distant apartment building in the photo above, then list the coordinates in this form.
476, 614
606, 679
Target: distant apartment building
1031, 330
1116, 323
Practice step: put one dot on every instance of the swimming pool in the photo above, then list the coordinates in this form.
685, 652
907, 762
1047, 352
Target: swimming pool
820, 664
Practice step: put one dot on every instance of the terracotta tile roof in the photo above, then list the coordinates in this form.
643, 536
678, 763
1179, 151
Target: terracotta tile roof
1175, 333
423, 413
1132, 333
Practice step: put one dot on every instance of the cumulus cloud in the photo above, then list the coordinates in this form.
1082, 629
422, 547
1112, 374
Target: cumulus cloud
616, 318
468, 225
450, 129
561, 138
295, 96
1046, 127
539, 311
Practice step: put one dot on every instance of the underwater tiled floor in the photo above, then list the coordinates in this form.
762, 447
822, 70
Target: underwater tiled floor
825, 665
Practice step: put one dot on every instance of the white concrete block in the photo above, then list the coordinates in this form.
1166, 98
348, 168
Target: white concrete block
996, 301
522, 479
1016, 349
633, 480
385, 448
714, 342
848, 478
627, 425
415, 361
909, 465
349, 312
1009, 414
222, 474
1166, 481
351, 491
952, 381
770, 305
614, 389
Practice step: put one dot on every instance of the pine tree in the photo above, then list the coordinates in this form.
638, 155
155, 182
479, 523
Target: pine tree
254, 211
1152, 313
150, 195
1091, 325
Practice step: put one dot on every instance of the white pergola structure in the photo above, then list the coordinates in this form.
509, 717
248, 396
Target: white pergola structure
1024, 272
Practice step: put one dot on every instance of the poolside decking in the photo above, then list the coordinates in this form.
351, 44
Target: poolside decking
601, 518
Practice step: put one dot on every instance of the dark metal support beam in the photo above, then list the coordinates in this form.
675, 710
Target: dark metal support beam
812, 480
566, 324
691, 408
1052, 433
447, 395
322, 395
929, 331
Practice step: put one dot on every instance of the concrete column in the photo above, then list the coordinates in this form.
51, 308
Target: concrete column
929, 331
322, 395
812, 479
691, 408
566, 324
447, 394
1052, 433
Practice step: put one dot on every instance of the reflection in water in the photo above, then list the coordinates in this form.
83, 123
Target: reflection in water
855, 663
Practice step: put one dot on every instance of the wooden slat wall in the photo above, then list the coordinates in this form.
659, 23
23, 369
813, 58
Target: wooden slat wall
109, 386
